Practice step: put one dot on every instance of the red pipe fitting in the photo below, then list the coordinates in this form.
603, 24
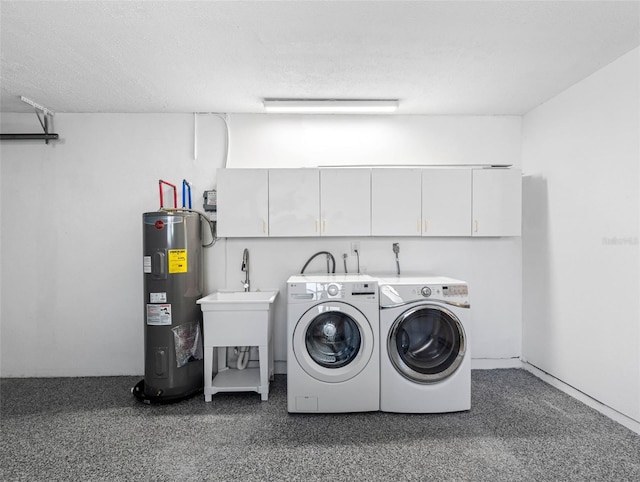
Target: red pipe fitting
175, 194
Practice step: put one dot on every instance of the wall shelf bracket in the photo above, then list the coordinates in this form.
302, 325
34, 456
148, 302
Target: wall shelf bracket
46, 136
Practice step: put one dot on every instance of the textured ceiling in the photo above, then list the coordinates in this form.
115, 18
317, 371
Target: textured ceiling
447, 57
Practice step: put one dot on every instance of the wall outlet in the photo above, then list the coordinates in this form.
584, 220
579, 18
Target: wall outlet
355, 246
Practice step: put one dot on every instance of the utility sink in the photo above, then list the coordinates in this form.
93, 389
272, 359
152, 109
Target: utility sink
238, 318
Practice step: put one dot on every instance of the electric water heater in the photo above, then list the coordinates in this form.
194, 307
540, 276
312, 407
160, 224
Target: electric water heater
172, 265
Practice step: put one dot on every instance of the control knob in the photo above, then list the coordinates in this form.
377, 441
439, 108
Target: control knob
425, 291
333, 290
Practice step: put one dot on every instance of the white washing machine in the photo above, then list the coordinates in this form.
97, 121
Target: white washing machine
425, 362
332, 346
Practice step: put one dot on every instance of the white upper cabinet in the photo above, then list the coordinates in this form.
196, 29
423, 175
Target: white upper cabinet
243, 200
345, 202
302, 202
446, 202
294, 202
497, 202
395, 202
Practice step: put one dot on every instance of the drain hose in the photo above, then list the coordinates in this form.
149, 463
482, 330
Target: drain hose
243, 357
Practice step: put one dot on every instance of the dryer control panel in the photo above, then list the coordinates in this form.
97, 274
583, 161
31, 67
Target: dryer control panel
455, 290
398, 293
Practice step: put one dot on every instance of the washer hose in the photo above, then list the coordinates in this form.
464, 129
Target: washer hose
329, 256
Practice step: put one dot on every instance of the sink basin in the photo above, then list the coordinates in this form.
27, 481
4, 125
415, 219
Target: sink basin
238, 300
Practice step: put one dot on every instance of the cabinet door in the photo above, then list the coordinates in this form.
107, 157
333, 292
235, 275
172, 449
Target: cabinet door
345, 202
446, 202
243, 202
294, 202
497, 202
395, 202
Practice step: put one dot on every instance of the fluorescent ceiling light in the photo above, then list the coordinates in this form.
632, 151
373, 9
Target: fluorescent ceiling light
330, 106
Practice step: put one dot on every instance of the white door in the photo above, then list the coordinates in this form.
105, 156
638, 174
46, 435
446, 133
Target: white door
243, 202
395, 202
446, 202
345, 202
497, 202
333, 342
426, 344
294, 202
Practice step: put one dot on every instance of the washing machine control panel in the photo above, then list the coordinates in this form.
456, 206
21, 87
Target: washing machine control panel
346, 290
364, 289
333, 290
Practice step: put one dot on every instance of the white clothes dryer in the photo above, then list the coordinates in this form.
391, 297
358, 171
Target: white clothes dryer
425, 361
332, 343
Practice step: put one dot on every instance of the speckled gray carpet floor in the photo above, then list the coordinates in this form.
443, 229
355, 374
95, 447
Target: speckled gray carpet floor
519, 428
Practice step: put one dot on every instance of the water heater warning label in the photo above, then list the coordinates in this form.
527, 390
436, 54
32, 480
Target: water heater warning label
159, 314
177, 261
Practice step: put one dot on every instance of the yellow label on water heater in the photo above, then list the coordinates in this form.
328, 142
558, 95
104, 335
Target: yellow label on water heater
177, 261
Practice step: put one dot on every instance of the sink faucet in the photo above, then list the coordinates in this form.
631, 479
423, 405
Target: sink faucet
245, 268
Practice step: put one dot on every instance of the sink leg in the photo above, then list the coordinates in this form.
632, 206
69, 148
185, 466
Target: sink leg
263, 355
208, 372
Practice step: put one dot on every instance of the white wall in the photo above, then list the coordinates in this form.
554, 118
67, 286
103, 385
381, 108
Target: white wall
581, 312
71, 272
72, 235
329, 140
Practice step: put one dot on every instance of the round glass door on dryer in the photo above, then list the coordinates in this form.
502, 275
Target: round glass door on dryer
426, 344
333, 342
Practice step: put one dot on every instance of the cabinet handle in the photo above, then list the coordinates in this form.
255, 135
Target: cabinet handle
316, 225
324, 225
475, 226
425, 226
264, 227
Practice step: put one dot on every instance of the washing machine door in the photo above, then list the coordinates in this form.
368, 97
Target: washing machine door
333, 342
426, 344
